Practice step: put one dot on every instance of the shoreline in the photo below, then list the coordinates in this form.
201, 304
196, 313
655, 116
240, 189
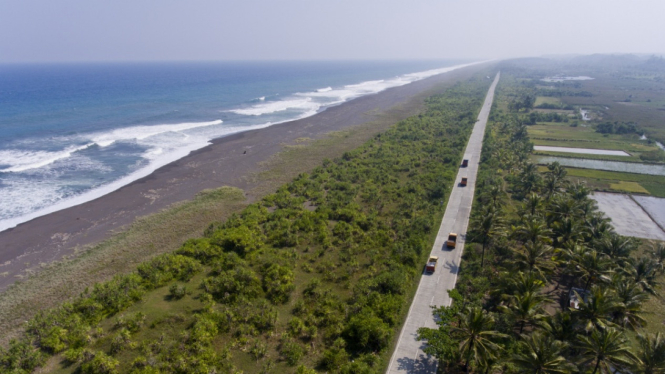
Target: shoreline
227, 161
112, 186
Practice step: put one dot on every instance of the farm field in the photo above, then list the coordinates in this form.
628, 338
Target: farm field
626, 167
627, 216
611, 181
654, 206
563, 135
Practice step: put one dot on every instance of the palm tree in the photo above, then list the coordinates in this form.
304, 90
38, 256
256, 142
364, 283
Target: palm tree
643, 271
532, 204
533, 229
598, 309
529, 178
658, 253
599, 226
541, 354
650, 355
488, 225
476, 335
605, 350
510, 284
631, 297
525, 309
592, 267
534, 258
617, 247
569, 229
562, 326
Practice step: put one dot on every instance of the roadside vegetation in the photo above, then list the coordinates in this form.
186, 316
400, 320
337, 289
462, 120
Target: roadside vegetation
314, 277
546, 285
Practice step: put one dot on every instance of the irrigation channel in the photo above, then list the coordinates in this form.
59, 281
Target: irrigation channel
408, 356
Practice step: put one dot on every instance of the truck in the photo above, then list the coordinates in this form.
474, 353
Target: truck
452, 240
465, 163
463, 182
431, 264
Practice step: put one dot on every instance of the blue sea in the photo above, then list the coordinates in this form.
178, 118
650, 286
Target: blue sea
70, 133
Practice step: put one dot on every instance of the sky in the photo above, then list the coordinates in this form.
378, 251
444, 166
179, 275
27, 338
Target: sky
159, 30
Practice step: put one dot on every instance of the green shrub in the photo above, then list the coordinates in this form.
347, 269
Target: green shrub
177, 292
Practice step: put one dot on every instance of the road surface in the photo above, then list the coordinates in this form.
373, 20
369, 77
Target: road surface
432, 289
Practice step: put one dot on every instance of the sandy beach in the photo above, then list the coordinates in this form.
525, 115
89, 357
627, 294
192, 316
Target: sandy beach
229, 161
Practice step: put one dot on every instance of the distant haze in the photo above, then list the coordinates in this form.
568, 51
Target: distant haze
130, 30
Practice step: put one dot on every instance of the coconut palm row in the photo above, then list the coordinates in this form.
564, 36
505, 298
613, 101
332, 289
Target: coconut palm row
548, 285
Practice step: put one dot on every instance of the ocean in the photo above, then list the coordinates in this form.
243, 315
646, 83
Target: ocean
70, 133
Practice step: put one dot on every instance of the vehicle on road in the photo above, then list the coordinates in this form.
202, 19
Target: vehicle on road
463, 182
452, 240
465, 163
431, 264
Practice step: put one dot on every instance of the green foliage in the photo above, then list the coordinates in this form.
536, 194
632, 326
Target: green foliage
359, 226
278, 283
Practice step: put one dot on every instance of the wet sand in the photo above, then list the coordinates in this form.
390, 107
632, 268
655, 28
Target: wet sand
228, 161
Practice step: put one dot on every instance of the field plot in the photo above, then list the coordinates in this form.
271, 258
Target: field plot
627, 216
563, 135
654, 206
580, 150
625, 167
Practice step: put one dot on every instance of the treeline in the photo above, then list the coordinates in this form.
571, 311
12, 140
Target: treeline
313, 277
547, 285
618, 128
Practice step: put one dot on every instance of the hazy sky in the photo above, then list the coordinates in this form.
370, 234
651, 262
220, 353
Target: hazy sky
85, 30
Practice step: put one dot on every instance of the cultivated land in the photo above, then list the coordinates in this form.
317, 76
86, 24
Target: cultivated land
628, 218
432, 289
654, 206
274, 156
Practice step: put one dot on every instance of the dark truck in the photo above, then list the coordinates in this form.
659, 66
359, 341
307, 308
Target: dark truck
463, 182
431, 264
465, 163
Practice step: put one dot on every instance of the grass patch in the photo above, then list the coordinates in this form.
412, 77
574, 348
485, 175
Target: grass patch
547, 100
628, 187
601, 180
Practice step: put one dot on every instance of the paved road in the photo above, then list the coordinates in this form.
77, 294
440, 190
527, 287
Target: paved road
432, 289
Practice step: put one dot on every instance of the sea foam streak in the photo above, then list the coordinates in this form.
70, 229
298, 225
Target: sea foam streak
22, 160
157, 157
167, 143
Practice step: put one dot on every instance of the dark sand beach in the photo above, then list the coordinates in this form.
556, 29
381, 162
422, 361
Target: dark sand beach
229, 161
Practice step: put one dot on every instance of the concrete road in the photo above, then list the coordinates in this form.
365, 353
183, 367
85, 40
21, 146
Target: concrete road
432, 289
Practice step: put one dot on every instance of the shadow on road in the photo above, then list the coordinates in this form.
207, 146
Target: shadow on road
454, 268
421, 365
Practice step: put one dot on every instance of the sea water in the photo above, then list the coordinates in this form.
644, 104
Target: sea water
70, 133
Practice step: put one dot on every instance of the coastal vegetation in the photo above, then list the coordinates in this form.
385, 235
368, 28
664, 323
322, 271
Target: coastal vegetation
47, 285
314, 277
546, 285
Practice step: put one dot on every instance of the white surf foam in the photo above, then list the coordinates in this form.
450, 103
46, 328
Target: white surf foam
143, 132
304, 104
22, 160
